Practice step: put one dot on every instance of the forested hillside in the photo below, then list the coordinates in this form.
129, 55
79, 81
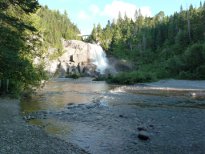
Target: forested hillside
27, 30
160, 46
55, 26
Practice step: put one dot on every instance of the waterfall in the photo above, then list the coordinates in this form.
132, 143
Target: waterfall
78, 57
97, 57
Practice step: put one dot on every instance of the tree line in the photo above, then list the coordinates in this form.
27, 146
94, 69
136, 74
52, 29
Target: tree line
54, 26
159, 46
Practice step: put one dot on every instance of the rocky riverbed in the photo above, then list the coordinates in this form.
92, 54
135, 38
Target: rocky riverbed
18, 137
163, 117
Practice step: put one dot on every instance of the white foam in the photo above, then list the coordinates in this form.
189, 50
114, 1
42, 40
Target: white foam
118, 90
98, 57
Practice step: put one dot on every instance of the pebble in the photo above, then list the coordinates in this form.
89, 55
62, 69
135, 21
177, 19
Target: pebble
152, 126
143, 135
121, 116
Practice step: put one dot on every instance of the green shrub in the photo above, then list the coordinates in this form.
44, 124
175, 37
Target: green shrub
194, 56
200, 72
74, 76
131, 77
185, 75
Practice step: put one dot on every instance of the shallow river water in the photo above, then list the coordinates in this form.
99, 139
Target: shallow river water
104, 118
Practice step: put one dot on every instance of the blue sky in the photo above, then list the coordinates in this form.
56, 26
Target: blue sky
86, 13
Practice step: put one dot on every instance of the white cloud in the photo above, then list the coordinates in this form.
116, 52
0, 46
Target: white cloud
94, 9
82, 15
112, 10
146, 11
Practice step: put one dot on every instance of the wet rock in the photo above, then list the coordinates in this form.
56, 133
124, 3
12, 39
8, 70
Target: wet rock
151, 126
69, 104
141, 128
73, 106
121, 116
92, 105
143, 135
28, 117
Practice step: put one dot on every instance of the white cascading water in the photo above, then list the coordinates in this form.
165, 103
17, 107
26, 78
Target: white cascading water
98, 57
77, 52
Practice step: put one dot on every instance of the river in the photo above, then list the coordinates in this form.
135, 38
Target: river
102, 118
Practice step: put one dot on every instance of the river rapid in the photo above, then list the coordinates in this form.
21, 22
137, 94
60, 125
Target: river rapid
102, 118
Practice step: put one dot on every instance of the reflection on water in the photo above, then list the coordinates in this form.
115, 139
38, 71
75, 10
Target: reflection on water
102, 118
52, 126
61, 92
161, 91
154, 96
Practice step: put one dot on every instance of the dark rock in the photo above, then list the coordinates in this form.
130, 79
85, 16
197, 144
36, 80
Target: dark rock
143, 135
121, 116
141, 128
152, 126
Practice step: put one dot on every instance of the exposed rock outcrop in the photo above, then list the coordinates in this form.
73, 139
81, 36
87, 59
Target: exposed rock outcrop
78, 58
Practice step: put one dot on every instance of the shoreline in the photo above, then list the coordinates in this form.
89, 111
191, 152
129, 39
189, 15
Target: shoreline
16, 136
114, 118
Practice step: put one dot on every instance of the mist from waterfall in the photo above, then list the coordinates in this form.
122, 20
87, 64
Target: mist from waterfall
98, 57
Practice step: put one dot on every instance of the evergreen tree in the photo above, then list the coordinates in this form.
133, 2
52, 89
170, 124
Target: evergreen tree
26, 32
54, 27
164, 42
18, 46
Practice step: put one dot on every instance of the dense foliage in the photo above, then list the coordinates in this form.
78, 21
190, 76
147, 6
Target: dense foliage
164, 46
26, 32
17, 40
55, 26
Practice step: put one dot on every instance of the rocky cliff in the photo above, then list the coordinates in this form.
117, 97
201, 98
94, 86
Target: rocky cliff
78, 58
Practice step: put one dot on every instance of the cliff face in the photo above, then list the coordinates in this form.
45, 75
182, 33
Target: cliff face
78, 58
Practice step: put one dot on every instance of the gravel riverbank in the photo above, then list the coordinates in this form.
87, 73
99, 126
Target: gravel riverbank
166, 117
17, 137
